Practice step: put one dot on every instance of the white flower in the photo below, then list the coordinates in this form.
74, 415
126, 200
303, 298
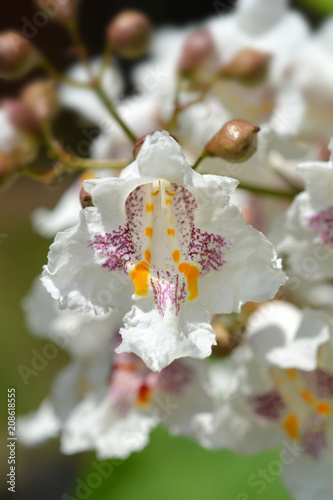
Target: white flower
48, 222
81, 334
117, 419
167, 238
284, 393
304, 233
311, 71
84, 101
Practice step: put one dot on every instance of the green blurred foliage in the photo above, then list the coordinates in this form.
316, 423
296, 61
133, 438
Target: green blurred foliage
324, 7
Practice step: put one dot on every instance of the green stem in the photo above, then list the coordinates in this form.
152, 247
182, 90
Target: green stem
289, 195
109, 106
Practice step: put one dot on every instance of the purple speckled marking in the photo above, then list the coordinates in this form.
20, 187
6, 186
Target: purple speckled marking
169, 290
269, 405
130, 374
322, 223
125, 246
313, 437
320, 382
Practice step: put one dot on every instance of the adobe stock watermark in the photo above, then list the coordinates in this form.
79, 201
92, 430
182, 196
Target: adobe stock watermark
41, 18
263, 477
83, 488
40, 359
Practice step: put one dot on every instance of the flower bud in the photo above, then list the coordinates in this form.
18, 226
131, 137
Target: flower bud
21, 116
198, 47
17, 55
235, 142
41, 97
249, 67
129, 34
59, 10
85, 199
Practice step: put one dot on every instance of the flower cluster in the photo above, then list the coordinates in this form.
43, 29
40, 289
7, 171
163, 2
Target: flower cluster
190, 277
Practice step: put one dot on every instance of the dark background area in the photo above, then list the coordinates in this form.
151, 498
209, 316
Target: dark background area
53, 40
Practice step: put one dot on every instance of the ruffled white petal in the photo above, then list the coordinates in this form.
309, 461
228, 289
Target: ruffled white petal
38, 426
159, 340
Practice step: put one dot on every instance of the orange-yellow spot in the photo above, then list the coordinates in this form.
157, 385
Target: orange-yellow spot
147, 255
171, 232
291, 425
192, 274
292, 373
144, 393
307, 396
149, 232
324, 408
149, 207
139, 276
176, 255
168, 202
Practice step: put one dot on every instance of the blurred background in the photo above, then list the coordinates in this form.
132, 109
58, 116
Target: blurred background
169, 467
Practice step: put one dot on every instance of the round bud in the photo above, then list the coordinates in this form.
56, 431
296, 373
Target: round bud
17, 55
249, 67
41, 97
85, 199
198, 47
59, 10
21, 116
235, 142
129, 34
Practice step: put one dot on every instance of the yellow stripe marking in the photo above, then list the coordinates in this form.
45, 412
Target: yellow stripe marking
149, 207
139, 276
291, 425
307, 396
168, 202
149, 232
324, 408
147, 255
192, 274
176, 255
171, 232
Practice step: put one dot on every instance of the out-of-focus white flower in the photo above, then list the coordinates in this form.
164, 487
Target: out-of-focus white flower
84, 101
117, 419
304, 233
48, 222
311, 71
169, 236
81, 334
283, 394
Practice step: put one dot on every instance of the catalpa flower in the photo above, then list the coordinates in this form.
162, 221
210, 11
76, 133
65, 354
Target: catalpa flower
283, 395
165, 242
304, 233
116, 419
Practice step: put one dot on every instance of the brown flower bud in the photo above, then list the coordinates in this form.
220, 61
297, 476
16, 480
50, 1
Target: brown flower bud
21, 116
17, 55
129, 34
198, 47
235, 142
41, 97
249, 67
59, 10
85, 199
